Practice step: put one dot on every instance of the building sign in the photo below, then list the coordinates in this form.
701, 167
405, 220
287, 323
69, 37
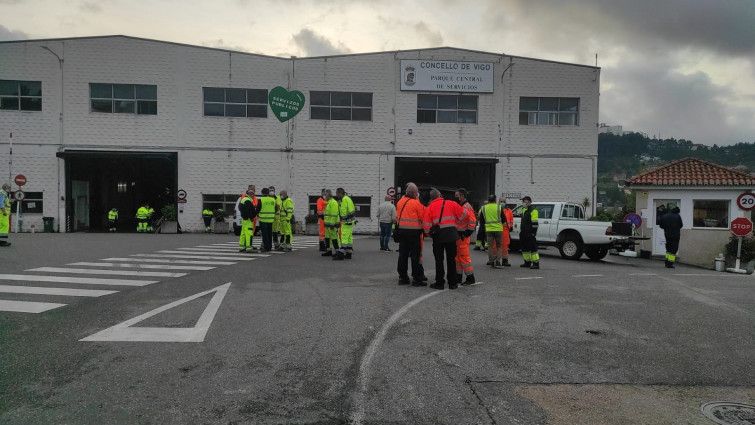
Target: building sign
453, 76
285, 104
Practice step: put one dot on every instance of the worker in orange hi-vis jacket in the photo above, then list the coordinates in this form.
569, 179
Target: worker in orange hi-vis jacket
321, 203
466, 228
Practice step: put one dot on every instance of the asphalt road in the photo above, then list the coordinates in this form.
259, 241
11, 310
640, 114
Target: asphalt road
300, 339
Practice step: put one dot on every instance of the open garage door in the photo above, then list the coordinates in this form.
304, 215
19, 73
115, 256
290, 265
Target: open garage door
97, 181
447, 174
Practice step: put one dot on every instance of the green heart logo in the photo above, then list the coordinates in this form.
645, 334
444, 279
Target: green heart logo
285, 104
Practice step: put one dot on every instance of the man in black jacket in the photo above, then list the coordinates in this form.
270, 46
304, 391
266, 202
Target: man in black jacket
671, 223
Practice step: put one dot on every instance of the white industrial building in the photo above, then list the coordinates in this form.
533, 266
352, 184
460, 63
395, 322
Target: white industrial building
101, 122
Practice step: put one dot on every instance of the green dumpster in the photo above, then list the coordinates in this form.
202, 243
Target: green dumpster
48, 221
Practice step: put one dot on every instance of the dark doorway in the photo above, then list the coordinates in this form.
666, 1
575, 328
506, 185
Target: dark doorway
447, 175
97, 181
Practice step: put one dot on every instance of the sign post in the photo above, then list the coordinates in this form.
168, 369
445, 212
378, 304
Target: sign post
741, 227
20, 180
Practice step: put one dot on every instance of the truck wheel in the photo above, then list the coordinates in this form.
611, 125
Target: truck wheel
571, 248
597, 253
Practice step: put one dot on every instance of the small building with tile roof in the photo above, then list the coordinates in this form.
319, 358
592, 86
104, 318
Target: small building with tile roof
706, 194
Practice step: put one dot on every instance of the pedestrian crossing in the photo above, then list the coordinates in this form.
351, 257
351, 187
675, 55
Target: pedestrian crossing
115, 273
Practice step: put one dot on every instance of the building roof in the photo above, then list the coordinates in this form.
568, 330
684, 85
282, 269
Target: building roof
293, 57
692, 172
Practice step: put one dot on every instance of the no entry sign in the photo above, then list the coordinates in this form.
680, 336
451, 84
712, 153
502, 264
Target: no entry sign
20, 180
741, 226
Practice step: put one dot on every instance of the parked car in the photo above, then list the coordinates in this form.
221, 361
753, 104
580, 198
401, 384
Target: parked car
564, 225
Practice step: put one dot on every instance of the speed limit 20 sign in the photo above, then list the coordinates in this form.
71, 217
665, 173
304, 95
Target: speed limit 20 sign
746, 201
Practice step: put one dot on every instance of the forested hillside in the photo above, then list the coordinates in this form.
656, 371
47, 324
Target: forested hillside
632, 153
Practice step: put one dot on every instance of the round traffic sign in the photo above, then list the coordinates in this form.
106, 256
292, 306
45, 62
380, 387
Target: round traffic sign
746, 201
634, 219
181, 194
19, 195
20, 180
741, 226
391, 191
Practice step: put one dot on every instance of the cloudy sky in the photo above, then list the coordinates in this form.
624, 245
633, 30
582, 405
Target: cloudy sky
670, 68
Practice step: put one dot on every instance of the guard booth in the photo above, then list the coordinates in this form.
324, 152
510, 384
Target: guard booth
97, 181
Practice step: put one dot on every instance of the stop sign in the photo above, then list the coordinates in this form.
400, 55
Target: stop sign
20, 180
741, 226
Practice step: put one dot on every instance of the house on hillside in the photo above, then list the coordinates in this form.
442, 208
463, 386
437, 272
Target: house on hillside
706, 193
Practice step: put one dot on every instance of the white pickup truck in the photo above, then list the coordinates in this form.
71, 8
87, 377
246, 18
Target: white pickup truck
563, 225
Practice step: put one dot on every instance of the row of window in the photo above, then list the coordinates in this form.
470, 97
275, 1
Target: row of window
141, 99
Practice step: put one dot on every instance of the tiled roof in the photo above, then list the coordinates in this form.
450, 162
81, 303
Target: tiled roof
692, 172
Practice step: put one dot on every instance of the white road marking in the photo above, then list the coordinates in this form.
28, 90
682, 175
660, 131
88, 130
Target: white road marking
54, 291
85, 280
27, 306
358, 411
643, 274
211, 247
527, 278
144, 266
197, 257
708, 274
157, 260
124, 332
587, 275
106, 272
226, 254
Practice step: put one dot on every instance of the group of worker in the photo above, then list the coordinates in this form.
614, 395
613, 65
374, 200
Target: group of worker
274, 215
336, 215
450, 225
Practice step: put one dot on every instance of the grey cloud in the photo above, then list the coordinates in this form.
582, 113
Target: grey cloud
435, 38
313, 44
656, 100
90, 6
7, 34
723, 27
221, 44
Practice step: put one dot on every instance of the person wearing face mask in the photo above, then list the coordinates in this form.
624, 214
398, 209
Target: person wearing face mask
465, 228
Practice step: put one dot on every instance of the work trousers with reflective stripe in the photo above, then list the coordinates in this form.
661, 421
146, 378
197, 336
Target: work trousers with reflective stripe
347, 238
333, 242
247, 233
4, 227
285, 234
672, 247
529, 247
463, 260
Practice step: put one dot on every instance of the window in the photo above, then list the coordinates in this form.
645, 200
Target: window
337, 105
548, 111
20, 95
362, 205
123, 98
709, 213
225, 202
572, 211
312, 205
32, 203
226, 102
444, 108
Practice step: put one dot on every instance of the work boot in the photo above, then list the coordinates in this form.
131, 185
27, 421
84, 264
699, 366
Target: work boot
440, 286
242, 249
348, 256
470, 280
535, 265
423, 278
339, 256
327, 254
490, 263
477, 248
505, 262
403, 280
4, 243
322, 246
453, 286
526, 264
669, 265
416, 282
279, 248
289, 249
